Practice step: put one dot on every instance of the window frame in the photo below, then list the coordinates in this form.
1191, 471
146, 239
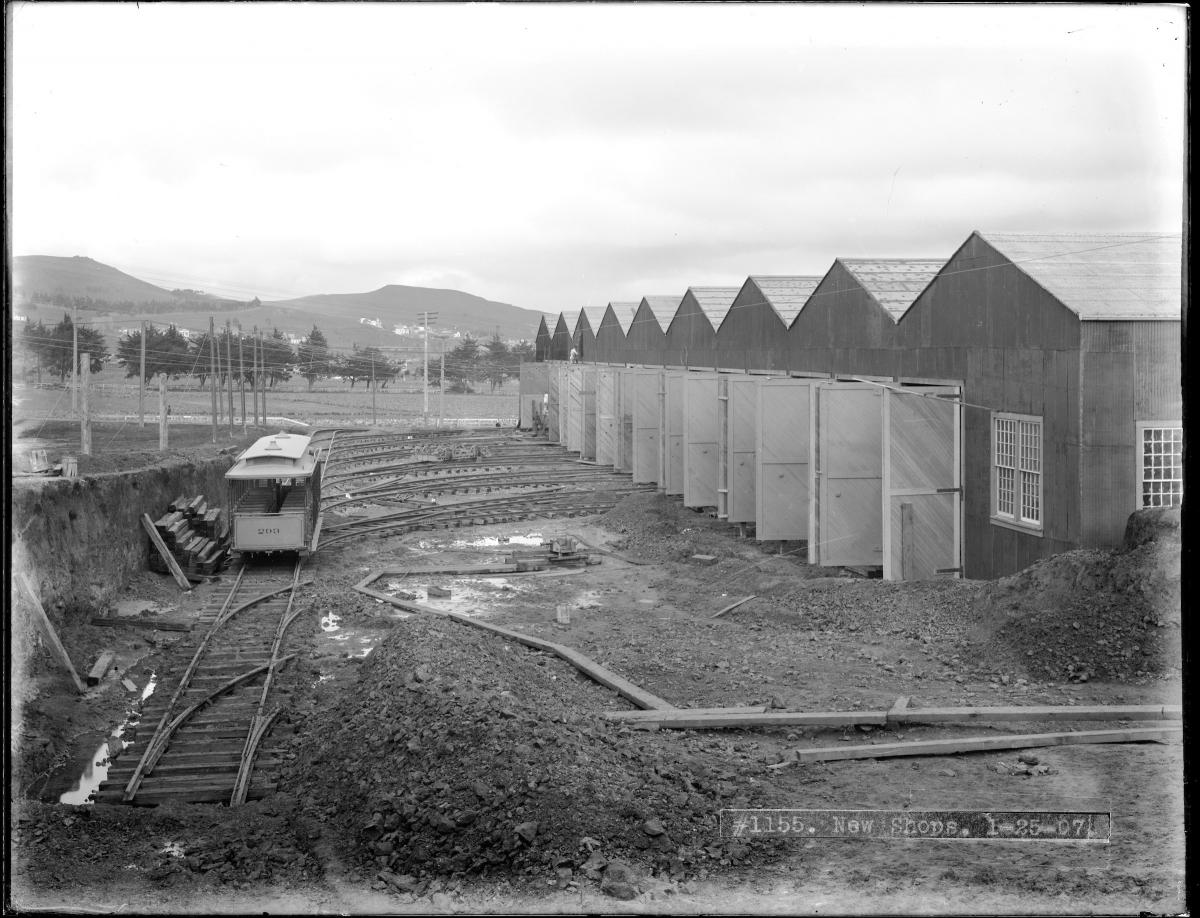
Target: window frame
1015, 519
1140, 428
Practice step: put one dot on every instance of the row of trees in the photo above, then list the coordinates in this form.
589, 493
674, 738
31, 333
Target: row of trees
469, 365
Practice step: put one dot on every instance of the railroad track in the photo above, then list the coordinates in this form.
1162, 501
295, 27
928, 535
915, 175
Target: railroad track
209, 737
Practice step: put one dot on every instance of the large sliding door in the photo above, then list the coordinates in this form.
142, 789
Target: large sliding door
533, 390
847, 506
672, 432
741, 447
646, 420
574, 404
606, 416
700, 440
554, 403
783, 441
587, 412
922, 490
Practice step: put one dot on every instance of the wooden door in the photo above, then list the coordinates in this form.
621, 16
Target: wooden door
741, 448
646, 419
587, 413
606, 416
533, 388
554, 403
848, 501
625, 391
700, 440
572, 421
672, 479
782, 456
922, 491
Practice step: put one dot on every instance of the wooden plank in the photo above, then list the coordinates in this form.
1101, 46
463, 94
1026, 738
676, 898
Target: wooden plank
100, 668
988, 744
172, 564
734, 605
56, 647
640, 715
682, 719
130, 685
1037, 713
898, 709
134, 621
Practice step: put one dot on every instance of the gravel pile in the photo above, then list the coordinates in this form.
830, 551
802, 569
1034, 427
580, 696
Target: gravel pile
655, 527
459, 754
1091, 614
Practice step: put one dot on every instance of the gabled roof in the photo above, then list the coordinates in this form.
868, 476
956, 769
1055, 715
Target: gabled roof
570, 318
662, 308
623, 313
786, 294
1102, 275
595, 315
893, 282
546, 324
714, 302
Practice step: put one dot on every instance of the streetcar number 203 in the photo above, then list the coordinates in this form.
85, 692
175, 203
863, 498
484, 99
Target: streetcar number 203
263, 531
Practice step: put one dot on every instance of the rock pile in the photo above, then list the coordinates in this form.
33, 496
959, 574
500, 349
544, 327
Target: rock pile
460, 754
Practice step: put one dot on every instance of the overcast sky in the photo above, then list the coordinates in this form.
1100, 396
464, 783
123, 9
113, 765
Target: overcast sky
568, 155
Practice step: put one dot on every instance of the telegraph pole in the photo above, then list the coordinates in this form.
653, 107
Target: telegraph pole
162, 411
85, 422
75, 358
372, 390
142, 382
262, 357
426, 318
212, 368
442, 387
254, 367
242, 377
229, 371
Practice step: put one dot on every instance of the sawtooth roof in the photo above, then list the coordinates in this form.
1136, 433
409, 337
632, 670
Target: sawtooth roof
714, 302
595, 315
894, 282
1102, 275
570, 319
623, 312
663, 308
786, 294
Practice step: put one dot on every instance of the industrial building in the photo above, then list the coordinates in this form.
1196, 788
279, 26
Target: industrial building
929, 417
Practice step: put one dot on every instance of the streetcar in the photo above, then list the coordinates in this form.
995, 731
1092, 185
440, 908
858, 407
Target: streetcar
274, 493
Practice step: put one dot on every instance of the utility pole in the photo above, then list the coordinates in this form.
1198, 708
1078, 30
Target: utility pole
212, 368
254, 375
75, 358
142, 382
229, 371
262, 356
426, 318
162, 411
442, 387
242, 377
85, 420
372, 390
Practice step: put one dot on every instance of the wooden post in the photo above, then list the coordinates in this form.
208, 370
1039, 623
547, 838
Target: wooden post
56, 647
372, 390
442, 387
75, 359
165, 552
212, 369
262, 357
142, 381
162, 411
85, 415
254, 372
906, 542
229, 371
242, 377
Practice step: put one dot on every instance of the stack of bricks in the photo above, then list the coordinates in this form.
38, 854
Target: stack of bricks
197, 536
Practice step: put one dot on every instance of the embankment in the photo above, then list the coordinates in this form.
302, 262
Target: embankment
78, 540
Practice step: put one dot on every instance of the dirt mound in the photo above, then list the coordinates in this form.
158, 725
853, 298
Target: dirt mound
655, 527
1160, 524
461, 754
1090, 613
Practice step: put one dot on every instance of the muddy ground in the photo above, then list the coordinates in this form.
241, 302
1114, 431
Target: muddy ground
433, 767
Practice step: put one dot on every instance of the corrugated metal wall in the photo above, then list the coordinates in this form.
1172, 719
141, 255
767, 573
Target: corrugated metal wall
691, 340
752, 337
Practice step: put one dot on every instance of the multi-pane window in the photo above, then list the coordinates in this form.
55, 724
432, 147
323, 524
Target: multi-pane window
1017, 469
1162, 465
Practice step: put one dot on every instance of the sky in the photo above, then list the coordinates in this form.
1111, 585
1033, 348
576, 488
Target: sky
567, 155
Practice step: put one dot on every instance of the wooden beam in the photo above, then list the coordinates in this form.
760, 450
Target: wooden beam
172, 564
734, 605
636, 716
101, 667
56, 648
988, 744
1037, 713
682, 719
135, 621
898, 709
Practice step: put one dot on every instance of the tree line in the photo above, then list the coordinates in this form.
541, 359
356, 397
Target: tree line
470, 365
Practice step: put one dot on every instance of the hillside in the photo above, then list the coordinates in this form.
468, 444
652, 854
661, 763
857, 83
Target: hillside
396, 304
78, 276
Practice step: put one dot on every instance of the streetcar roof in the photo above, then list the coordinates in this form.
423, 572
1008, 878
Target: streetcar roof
278, 456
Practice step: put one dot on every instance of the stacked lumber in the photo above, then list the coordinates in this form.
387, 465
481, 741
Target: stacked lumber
196, 535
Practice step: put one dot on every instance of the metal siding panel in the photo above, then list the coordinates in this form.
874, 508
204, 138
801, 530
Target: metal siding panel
700, 440
783, 473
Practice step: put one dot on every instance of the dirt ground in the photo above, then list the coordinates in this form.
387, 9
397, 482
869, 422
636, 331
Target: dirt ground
404, 717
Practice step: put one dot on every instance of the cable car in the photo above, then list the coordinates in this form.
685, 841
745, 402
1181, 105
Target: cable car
274, 492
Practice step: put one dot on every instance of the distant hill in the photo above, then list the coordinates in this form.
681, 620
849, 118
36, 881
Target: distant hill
395, 304
83, 277
121, 299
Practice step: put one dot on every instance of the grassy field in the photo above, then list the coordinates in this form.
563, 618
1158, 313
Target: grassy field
115, 396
